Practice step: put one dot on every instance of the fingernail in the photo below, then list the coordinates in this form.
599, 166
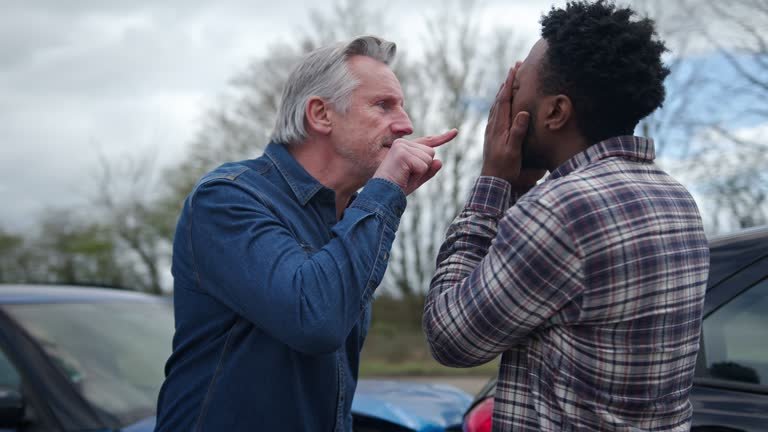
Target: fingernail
522, 119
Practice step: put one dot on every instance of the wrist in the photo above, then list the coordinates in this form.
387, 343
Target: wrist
485, 172
390, 180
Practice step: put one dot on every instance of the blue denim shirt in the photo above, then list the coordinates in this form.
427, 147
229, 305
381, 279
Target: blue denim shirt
272, 298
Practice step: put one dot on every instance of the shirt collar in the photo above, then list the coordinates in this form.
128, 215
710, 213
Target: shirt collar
303, 185
627, 146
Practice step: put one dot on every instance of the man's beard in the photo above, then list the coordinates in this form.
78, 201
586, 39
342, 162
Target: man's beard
386, 141
530, 157
365, 163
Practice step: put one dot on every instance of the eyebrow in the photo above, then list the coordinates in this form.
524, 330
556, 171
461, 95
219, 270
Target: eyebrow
389, 97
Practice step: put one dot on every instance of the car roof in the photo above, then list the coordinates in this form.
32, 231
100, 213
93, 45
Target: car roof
732, 252
22, 293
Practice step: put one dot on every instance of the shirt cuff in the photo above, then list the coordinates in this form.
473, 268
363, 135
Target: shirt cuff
490, 195
382, 197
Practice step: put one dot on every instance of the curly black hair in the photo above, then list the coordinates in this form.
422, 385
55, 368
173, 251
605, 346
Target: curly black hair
607, 64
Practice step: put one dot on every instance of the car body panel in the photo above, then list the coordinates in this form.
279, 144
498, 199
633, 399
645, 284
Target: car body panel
417, 406
146, 425
24, 294
741, 411
731, 253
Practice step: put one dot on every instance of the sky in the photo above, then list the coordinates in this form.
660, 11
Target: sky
87, 79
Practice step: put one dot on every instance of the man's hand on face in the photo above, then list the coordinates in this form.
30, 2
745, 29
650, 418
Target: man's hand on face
502, 151
410, 163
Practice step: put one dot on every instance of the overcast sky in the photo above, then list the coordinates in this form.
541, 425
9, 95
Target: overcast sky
79, 78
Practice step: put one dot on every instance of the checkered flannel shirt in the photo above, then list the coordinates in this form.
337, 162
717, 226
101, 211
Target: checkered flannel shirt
590, 286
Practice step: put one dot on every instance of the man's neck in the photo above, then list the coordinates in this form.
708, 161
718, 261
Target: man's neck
322, 163
567, 147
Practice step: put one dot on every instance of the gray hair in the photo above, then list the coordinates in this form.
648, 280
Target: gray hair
324, 73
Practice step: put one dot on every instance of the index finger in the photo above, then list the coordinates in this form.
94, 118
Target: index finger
437, 140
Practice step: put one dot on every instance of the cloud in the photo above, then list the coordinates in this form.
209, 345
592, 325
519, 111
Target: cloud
83, 77
79, 77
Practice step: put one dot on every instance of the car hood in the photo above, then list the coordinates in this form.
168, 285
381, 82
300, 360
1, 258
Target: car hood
421, 407
145, 425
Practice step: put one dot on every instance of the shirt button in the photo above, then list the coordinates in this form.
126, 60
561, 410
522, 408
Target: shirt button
386, 256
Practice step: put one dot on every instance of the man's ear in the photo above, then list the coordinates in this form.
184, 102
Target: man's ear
318, 116
559, 112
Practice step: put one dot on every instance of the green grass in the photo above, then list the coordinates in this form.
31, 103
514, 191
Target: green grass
390, 351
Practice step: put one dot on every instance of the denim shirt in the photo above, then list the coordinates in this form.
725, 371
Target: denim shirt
272, 298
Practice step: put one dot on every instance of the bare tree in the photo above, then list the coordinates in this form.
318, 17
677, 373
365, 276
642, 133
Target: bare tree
11, 250
451, 86
66, 249
733, 147
131, 208
714, 126
240, 126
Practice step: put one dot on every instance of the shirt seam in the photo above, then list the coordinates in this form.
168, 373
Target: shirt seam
214, 378
374, 208
219, 178
368, 292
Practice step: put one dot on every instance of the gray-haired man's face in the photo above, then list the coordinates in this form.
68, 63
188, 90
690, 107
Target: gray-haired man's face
375, 118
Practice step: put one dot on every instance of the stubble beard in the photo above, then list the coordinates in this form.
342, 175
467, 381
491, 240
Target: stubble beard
530, 157
365, 165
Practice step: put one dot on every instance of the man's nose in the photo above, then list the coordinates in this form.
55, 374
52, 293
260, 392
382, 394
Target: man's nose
402, 126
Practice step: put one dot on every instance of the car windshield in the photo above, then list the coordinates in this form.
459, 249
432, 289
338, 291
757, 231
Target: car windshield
113, 352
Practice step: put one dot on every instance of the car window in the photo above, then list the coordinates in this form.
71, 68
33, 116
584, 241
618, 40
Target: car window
734, 338
114, 353
9, 376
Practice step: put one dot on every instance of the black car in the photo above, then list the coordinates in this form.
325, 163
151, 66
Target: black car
730, 392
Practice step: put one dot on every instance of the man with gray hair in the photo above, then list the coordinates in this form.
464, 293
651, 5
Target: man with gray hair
275, 259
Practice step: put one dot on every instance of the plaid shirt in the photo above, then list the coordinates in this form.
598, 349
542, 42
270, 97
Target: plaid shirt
591, 288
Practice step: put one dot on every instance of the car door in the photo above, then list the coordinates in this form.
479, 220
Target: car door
12, 382
731, 385
54, 403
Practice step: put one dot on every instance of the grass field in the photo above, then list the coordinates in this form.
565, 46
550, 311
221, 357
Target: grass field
404, 352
